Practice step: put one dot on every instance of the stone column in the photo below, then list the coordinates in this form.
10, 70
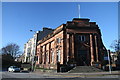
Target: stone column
40, 54
67, 46
96, 48
91, 49
49, 53
55, 54
42, 58
45, 55
65, 51
72, 45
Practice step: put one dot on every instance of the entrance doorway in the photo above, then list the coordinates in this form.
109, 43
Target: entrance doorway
82, 58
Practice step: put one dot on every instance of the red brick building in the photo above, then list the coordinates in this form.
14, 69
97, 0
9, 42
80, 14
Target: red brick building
77, 42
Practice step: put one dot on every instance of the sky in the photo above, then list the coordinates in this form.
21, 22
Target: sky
18, 18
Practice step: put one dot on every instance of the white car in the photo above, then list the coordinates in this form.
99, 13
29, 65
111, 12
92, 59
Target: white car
13, 69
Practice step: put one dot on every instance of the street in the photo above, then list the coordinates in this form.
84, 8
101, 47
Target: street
65, 76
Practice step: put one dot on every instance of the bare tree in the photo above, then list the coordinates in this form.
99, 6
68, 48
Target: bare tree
116, 45
12, 49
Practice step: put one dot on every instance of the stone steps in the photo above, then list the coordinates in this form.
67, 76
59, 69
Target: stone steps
82, 69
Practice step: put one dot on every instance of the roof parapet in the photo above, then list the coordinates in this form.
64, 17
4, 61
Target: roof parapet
81, 19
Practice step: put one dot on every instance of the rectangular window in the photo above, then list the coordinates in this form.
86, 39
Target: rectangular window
58, 40
36, 58
47, 57
43, 57
52, 56
58, 55
81, 38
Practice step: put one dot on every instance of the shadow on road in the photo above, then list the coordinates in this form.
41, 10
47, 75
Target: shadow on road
22, 72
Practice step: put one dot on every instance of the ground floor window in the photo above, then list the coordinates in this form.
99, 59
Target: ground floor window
52, 56
42, 57
58, 55
47, 57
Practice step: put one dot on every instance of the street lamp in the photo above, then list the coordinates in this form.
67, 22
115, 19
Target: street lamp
33, 52
109, 61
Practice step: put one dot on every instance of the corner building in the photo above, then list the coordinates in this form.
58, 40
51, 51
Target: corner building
78, 42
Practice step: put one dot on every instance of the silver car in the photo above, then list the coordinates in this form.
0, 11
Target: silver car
13, 69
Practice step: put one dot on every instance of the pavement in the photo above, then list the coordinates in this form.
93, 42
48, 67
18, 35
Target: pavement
113, 74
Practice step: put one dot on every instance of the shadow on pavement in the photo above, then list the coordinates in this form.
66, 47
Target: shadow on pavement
60, 79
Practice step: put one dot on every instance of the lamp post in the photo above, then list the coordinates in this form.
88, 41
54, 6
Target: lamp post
109, 61
33, 52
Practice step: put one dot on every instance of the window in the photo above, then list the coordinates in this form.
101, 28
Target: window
81, 38
43, 57
58, 40
28, 54
15, 67
36, 58
52, 56
58, 55
47, 57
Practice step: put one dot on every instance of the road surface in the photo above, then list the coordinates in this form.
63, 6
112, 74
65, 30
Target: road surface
65, 76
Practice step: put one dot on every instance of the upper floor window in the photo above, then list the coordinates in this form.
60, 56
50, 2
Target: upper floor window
81, 38
58, 40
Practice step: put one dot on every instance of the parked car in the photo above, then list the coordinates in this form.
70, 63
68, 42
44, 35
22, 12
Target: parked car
13, 69
25, 67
